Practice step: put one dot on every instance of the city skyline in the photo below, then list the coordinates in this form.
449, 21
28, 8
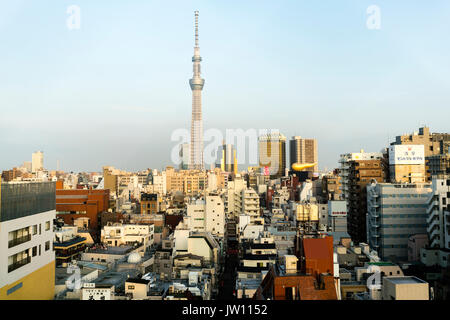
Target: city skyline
112, 93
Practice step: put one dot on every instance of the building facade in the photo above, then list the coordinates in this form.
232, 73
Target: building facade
37, 161
395, 213
357, 171
438, 213
27, 258
303, 151
272, 154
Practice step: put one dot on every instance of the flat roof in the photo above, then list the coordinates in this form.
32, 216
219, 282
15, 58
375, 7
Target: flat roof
137, 280
405, 280
112, 250
70, 242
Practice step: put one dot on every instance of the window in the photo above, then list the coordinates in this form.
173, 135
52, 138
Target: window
34, 229
130, 287
34, 251
18, 260
47, 245
47, 225
40, 230
18, 237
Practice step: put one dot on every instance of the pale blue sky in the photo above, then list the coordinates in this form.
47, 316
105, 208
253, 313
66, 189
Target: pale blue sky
112, 92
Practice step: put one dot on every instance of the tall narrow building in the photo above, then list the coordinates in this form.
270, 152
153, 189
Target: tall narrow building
272, 154
303, 151
226, 158
196, 83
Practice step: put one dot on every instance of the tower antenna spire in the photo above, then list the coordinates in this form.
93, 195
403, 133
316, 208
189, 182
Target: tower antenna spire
196, 83
196, 28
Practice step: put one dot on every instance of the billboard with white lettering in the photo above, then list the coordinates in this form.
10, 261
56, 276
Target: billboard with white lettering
406, 154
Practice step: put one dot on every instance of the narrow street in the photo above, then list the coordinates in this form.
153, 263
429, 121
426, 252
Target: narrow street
227, 280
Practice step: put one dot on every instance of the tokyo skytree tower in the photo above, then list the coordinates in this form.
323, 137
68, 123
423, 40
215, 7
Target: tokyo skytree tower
196, 83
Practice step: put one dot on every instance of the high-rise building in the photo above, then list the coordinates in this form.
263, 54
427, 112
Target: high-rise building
438, 211
272, 154
27, 259
303, 151
196, 83
37, 161
226, 158
407, 163
395, 212
434, 144
431, 141
357, 171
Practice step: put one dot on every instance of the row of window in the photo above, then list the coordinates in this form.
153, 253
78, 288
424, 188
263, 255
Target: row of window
403, 226
395, 246
415, 195
396, 236
387, 216
23, 235
23, 258
404, 206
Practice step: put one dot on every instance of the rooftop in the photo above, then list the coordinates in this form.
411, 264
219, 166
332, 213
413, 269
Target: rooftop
70, 242
137, 280
122, 250
405, 280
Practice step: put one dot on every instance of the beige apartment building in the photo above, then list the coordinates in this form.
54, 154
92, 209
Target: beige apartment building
435, 144
189, 182
407, 163
405, 288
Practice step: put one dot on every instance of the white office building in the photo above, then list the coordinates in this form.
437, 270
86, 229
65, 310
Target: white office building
395, 212
438, 211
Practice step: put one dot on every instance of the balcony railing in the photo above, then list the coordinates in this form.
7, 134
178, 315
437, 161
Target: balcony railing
18, 264
17, 241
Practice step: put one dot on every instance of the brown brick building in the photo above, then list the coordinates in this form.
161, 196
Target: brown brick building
313, 279
361, 173
73, 204
149, 203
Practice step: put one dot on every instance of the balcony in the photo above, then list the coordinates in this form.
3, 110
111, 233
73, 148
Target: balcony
18, 264
374, 224
17, 241
432, 206
431, 217
434, 235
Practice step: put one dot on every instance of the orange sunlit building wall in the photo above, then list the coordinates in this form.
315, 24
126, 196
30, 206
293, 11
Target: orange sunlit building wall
318, 255
73, 204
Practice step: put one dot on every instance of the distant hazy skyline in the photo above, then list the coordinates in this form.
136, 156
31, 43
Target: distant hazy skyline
112, 92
